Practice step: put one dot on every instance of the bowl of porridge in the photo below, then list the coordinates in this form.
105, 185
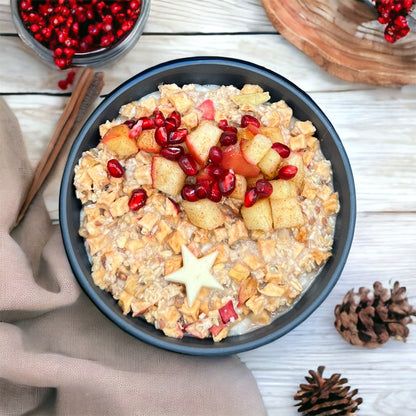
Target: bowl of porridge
207, 206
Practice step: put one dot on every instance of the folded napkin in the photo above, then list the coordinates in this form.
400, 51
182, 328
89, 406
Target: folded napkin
60, 356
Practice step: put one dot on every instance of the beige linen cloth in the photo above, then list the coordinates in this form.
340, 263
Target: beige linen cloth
60, 356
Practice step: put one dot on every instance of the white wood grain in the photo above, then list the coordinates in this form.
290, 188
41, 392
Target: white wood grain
378, 129
271, 51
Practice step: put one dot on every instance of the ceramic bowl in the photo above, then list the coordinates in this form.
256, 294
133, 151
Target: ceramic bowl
219, 71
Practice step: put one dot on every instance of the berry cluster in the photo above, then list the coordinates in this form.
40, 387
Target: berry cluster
393, 14
68, 27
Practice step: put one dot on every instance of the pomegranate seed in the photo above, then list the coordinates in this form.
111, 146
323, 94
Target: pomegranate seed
170, 124
231, 128
188, 165
178, 136
282, 149
130, 123
222, 124
250, 197
228, 138
161, 136
215, 155
264, 188
214, 193
214, 170
287, 172
63, 84
138, 199
177, 117
226, 183
159, 118
147, 123
55, 22
188, 193
136, 130
172, 152
246, 119
114, 168
203, 188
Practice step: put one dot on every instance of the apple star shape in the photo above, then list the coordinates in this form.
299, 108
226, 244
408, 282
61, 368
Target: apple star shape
195, 274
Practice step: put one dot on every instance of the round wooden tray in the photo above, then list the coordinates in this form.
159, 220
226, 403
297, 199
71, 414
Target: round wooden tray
345, 38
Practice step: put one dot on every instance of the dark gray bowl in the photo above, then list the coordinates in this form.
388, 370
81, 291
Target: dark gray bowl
220, 71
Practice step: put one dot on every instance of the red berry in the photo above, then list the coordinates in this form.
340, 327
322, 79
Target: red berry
250, 197
147, 123
172, 152
222, 124
287, 172
228, 138
177, 117
130, 123
246, 119
215, 155
161, 136
114, 168
203, 188
159, 118
282, 149
226, 183
214, 193
188, 193
178, 136
138, 199
170, 124
264, 188
214, 171
188, 165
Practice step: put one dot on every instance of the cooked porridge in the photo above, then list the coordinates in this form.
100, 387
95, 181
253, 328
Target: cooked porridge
206, 210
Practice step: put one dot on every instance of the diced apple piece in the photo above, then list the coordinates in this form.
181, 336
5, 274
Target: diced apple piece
167, 175
248, 288
245, 134
296, 159
204, 213
118, 141
252, 98
258, 216
146, 141
270, 163
273, 133
283, 189
287, 213
254, 150
200, 140
232, 158
240, 187
252, 181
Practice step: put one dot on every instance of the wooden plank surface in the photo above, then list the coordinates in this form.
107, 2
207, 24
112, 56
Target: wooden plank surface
378, 129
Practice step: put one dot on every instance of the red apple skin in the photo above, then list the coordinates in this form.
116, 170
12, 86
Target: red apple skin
233, 159
194, 152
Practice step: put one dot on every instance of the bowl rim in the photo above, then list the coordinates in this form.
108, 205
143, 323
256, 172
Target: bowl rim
172, 344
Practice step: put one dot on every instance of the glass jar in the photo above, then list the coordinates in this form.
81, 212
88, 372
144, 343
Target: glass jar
93, 58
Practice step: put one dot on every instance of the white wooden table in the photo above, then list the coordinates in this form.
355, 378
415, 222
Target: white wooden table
378, 128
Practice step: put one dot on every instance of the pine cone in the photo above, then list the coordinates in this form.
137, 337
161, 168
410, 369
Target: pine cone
369, 318
326, 397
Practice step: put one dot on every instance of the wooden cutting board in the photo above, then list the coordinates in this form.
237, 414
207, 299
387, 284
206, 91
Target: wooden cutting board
344, 37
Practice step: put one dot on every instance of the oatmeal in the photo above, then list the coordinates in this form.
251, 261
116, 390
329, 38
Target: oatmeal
206, 210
